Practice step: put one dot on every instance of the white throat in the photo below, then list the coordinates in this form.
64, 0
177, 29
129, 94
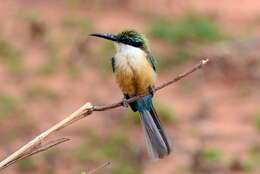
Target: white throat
126, 49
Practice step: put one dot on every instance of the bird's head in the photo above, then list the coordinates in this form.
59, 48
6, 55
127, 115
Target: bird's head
127, 37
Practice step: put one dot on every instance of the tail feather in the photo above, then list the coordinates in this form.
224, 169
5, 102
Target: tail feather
160, 128
156, 139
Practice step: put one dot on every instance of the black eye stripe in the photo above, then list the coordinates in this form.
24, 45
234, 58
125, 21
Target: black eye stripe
131, 41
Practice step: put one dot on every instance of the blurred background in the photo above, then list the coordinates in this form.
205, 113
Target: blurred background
49, 67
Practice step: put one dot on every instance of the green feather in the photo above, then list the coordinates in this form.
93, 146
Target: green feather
135, 38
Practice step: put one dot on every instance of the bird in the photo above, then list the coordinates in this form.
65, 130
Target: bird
135, 72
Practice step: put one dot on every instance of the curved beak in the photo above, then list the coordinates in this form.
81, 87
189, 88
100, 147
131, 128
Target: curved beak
105, 36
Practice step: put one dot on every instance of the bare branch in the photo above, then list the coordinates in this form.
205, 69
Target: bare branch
99, 168
35, 145
42, 148
179, 77
38, 140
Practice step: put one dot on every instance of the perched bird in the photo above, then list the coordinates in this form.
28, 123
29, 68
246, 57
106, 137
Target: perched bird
135, 72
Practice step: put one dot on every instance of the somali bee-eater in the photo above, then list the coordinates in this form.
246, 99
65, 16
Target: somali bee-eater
135, 72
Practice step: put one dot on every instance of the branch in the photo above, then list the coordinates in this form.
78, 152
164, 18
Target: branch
179, 77
36, 145
42, 148
38, 140
99, 168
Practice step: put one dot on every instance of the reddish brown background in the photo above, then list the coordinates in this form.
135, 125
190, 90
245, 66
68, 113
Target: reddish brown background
49, 67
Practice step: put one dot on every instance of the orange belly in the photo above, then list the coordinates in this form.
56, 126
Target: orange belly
135, 78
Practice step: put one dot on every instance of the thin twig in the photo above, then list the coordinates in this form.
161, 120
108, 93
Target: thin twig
179, 77
44, 147
38, 140
36, 144
99, 168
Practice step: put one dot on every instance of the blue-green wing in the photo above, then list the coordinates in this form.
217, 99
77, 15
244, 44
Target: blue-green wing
152, 61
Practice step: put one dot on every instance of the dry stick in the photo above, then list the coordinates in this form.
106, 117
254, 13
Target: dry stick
180, 76
99, 168
43, 148
37, 141
82, 112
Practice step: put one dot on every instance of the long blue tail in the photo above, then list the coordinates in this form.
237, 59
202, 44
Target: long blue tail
156, 139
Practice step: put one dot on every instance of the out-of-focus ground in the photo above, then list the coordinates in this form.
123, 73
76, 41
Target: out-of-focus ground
49, 67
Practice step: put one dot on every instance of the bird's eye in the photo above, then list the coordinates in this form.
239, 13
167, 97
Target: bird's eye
124, 40
130, 41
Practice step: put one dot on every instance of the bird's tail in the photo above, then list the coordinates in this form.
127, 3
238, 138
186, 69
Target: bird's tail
157, 142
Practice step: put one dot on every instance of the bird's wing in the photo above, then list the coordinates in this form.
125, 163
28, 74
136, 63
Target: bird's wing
152, 61
113, 64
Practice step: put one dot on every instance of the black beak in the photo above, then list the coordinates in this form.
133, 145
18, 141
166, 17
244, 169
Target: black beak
105, 36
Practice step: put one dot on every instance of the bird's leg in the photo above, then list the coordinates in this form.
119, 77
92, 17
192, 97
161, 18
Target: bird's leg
151, 90
124, 102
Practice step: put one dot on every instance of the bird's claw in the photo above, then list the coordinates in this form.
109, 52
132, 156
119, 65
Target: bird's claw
151, 90
125, 103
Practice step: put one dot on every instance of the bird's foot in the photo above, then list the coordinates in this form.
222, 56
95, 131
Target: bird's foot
151, 90
125, 103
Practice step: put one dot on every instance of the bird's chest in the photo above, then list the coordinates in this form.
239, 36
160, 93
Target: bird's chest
133, 72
